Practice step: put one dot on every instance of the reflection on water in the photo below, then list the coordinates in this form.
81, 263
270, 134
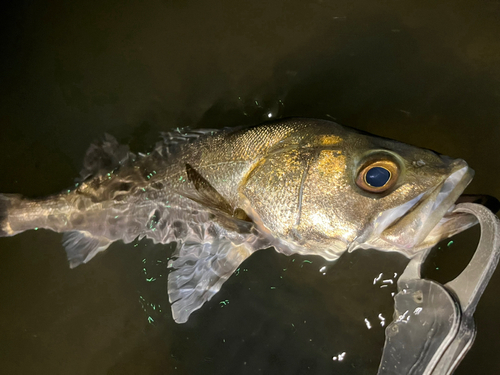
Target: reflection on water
281, 315
421, 72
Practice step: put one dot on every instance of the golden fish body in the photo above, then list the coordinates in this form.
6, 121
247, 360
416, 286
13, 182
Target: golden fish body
303, 186
296, 179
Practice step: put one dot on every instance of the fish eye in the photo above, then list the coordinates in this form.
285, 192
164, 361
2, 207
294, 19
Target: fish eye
378, 176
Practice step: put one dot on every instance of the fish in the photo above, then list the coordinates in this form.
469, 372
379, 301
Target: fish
300, 186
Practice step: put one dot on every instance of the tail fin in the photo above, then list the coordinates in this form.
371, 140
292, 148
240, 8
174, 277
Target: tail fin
5, 203
3, 215
14, 215
18, 214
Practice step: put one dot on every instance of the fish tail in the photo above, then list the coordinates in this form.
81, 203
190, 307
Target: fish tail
19, 214
7, 201
3, 215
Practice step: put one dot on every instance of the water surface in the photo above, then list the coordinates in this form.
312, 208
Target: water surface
422, 72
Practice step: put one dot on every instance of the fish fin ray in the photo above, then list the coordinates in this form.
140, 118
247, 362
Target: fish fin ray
174, 139
209, 196
81, 246
8, 202
105, 155
228, 217
4, 214
331, 252
199, 272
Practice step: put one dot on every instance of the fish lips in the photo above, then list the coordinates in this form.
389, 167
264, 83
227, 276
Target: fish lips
426, 219
455, 222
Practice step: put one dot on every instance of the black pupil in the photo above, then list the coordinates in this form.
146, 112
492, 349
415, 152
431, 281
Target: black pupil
377, 176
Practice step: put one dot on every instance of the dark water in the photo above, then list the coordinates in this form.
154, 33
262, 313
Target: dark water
423, 72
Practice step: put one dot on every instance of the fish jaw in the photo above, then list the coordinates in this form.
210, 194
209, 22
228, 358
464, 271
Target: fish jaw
425, 220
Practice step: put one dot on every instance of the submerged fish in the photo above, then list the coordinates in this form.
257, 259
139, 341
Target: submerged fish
302, 186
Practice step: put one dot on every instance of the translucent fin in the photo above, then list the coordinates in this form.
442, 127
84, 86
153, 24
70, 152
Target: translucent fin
7, 202
104, 156
175, 139
4, 205
201, 269
82, 246
183, 135
209, 196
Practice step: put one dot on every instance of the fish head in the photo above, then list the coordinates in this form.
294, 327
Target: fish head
332, 189
413, 210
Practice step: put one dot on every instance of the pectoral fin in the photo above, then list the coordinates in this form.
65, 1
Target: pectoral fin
233, 219
200, 271
208, 195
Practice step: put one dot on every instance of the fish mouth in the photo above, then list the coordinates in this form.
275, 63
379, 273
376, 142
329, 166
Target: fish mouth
455, 222
428, 218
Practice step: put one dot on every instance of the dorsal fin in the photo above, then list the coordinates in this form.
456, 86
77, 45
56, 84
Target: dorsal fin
176, 138
105, 155
180, 135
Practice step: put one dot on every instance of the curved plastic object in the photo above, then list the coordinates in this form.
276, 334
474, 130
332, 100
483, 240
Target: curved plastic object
433, 327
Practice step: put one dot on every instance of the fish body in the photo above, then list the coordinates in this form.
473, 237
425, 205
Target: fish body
303, 186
